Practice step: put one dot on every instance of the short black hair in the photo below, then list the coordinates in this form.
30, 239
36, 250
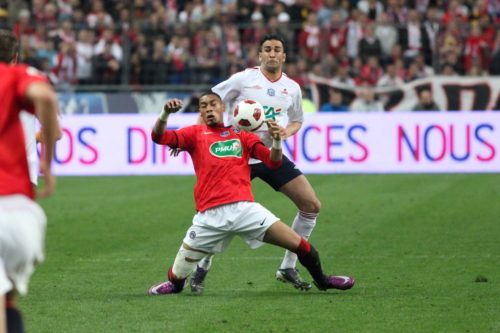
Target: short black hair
8, 46
210, 92
271, 37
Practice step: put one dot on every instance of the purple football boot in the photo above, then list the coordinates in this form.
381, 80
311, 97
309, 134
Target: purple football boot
168, 287
335, 282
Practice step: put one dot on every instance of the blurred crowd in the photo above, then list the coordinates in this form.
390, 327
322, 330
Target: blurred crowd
352, 42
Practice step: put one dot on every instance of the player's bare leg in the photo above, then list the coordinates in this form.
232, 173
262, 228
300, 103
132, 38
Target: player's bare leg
186, 260
282, 235
303, 196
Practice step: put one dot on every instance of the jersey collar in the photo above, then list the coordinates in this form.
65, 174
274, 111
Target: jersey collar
281, 74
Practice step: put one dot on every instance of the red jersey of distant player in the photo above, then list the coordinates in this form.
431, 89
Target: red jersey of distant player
220, 157
14, 174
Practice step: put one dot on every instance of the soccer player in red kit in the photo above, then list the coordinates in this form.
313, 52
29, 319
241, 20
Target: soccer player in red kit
22, 221
223, 195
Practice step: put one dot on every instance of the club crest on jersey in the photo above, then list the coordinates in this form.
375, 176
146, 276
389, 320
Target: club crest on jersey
224, 134
192, 235
270, 92
236, 130
229, 148
284, 92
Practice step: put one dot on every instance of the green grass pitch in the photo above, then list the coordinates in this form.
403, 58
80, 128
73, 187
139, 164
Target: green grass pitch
415, 243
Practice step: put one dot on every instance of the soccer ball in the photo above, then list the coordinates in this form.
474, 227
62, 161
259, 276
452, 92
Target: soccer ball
249, 115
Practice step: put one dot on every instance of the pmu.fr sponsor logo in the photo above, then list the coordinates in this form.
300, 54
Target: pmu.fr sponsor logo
229, 148
436, 142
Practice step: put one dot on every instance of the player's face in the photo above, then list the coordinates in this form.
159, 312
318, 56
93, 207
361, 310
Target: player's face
272, 56
212, 110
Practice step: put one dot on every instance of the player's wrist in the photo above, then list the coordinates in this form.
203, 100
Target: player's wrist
276, 144
164, 115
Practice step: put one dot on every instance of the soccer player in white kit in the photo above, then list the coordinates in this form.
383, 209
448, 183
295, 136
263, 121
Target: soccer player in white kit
280, 96
22, 221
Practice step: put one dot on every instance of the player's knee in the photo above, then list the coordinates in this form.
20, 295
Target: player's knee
312, 206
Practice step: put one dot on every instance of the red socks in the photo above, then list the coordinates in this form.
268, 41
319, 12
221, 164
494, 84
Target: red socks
303, 249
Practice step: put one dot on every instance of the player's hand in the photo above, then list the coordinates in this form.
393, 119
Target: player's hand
50, 182
283, 133
274, 129
175, 152
173, 105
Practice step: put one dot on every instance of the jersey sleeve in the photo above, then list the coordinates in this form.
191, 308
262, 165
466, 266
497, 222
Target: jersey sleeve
183, 138
231, 88
26, 77
257, 149
296, 111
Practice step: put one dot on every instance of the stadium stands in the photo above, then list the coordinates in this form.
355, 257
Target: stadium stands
141, 42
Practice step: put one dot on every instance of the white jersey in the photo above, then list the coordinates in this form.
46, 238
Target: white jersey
279, 98
28, 121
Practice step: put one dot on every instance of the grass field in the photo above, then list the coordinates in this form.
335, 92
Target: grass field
414, 243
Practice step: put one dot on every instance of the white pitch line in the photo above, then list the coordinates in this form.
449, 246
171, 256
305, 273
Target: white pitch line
279, 258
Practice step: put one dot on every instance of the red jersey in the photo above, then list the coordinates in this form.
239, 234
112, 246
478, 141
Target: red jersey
14, 174
220, 157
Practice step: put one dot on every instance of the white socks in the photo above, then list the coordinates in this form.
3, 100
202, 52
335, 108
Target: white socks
182, 268
303, 224
206, 262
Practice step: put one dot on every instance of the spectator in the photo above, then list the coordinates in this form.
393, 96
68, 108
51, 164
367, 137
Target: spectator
413, 37
23, 25
431, 30
495, 55
455, 11
335, 103
66, 33
287, 33
37, 7
371, 72
371, 8
105, 66
423, 70
369, 45
355, 71
154, 27
397, 14
412, 73
108, 36
78, 19
85, 52
325, 13
98, 14
390, 79
342, 78
386, 34
293, 73
355, 31
448, 70
309, 38
253, 34
47, 51
476, 46
366, 102
49, 18
336, 32
426, 102
65, 64
454, 60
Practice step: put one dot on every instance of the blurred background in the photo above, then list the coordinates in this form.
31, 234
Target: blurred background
113, 56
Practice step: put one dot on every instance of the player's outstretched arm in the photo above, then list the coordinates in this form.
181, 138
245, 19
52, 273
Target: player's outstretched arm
171, 106
44, 99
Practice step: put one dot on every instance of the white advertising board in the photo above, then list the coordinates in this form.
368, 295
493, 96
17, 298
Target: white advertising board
327, 143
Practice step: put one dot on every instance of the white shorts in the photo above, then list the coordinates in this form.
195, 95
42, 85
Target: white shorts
22, 235
213, 230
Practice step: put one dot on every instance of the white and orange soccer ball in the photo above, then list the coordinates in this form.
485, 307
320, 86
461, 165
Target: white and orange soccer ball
249, 115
